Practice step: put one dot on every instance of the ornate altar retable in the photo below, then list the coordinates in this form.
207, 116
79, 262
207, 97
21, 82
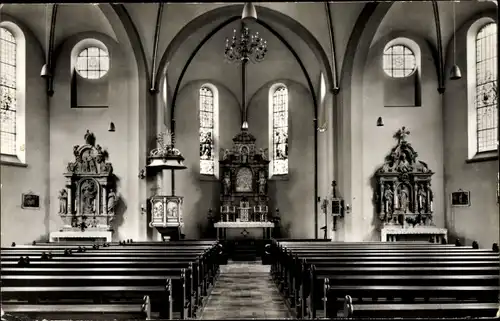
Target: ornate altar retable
244, 198
87, 203
404, 195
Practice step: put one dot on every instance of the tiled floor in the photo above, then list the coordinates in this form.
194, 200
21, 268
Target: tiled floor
244, 290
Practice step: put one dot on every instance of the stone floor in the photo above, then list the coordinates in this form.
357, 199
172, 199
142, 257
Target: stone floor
245, 290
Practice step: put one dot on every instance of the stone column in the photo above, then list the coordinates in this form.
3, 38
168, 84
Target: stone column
104, 200
396, 201
415, 198
382, 198
70, 200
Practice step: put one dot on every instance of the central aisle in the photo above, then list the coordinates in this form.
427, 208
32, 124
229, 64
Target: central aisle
245, 290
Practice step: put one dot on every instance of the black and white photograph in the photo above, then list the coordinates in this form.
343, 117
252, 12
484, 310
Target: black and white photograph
213, 160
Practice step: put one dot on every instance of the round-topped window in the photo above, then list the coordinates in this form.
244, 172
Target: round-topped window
92, 63
399, 61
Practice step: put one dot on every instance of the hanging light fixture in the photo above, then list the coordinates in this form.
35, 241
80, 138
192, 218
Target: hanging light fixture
111, 127
380, 122
249, 12
455, 72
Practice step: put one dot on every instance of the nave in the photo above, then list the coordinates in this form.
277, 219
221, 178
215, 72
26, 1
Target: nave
299, 279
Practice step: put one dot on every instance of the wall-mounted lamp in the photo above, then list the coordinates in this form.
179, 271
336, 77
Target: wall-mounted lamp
45, 72
111, 127
455, 72
142, 174
380, 122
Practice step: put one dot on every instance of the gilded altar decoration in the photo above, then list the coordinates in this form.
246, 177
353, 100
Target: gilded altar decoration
88, 200
403, 193
244, 174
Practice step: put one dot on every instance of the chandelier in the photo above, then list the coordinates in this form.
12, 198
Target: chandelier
247, 47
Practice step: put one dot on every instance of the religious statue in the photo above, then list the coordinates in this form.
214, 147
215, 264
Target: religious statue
262, 183
422, 199
88, 197
244, 154
63, 201
263, 153
404, 165
388, 199
226, 184
404, 199
226, 154
111, 202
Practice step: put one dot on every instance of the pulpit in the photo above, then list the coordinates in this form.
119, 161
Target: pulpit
88, 201
404, 195
166, 210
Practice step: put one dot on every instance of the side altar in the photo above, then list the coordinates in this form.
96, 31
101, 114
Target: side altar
88, 201
404, 196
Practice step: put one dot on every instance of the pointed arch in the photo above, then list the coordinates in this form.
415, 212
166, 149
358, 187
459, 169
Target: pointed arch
208, 112
278, 130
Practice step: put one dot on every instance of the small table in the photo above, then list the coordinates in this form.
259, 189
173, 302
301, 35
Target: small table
390, 233
223, 226
91, 236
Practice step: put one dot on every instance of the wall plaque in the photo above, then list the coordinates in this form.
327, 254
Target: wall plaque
460, 198
30, 201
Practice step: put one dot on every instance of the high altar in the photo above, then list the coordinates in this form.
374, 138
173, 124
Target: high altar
404, 195
244, 198
88, 201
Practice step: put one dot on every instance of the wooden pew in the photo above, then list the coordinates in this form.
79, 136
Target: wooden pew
419, 310
186, 293
87, 300
138, 256
374, 258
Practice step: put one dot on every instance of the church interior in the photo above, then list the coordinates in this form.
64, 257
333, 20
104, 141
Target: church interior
249, 160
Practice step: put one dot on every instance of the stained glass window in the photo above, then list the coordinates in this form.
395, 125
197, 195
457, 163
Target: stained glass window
8, 91
486, 88
399, 61
280, 131
207, 160
92, 63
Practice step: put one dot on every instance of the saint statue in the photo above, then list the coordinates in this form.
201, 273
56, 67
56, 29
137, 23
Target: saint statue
422, 202
89, 192
111, 202
226, 184
262, 183
63, 201
388, 199
404, 199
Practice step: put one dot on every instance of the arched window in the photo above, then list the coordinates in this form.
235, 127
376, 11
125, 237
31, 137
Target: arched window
486, 94
8, 92
208, 96
278, 125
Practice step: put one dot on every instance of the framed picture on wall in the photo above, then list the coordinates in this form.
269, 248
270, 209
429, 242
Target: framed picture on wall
460, 198
30, 201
